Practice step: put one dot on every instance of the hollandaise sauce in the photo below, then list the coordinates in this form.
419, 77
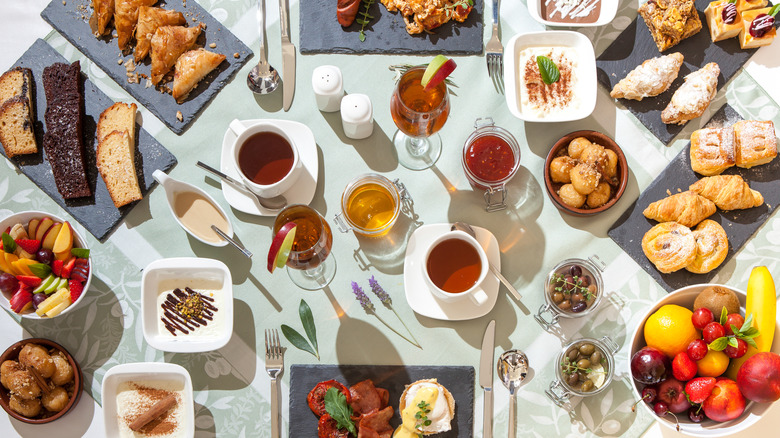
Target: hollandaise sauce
426, 410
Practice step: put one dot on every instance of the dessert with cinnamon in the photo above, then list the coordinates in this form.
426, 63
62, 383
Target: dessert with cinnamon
540, 99
151, 408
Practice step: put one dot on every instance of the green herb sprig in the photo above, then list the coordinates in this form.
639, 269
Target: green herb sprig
575, 287
423, 409
337, 407
450, 9
569, 367
9, 245
40, 270
747, 332
364, 18
548, 70
295, 338
774, 10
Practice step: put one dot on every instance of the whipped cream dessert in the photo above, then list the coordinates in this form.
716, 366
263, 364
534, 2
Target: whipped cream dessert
134, 398
542, 100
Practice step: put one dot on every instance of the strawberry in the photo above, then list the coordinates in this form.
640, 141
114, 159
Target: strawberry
30, 245
683, 367
76, 288
29, 280
67, 267
56, 267
700, 388
22, 299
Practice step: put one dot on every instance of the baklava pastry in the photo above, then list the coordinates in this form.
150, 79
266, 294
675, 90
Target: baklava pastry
168, 43
191, 67
149, 19
125, 19
102, 13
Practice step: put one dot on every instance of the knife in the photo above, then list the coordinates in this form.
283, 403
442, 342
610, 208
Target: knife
288, 56
486, 378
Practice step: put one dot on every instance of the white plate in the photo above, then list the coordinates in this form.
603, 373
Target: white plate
420, 298
607, 14
148, 371
302, 192
586, 72
192, 272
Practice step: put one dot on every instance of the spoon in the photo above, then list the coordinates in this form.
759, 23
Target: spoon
263, 79
275, 203
240, 247
513, 369
466, 228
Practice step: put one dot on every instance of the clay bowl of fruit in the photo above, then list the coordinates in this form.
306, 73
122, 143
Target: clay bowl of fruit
31, 363
49, 270
585, 173
729, 394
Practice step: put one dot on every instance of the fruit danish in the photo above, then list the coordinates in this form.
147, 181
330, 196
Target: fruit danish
669, 246
712, 246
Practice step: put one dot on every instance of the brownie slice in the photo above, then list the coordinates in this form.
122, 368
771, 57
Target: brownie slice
62, 140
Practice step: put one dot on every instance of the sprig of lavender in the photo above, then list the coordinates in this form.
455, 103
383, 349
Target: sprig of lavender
368, 306
384, 297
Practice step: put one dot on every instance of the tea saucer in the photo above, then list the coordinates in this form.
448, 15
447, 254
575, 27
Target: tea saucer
302, 192
419, 296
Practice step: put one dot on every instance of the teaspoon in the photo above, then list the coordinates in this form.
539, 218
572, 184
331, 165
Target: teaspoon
240, 247
275, 203
513, 369
262, 79
466, 228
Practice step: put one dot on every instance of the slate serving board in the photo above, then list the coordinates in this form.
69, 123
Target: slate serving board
96, 213
71, 19
321, 33
635, 45
459, 380
740, 225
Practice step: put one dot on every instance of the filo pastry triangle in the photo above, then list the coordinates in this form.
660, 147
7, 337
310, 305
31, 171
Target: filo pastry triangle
191, 67
149, 19
168, 43
125, 19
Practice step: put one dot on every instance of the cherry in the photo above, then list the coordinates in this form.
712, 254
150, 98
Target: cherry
702, 316
697, 349
713, 331
695, 413
649, 394
729, 13
734, 319
661, 409
738, 351
761, 25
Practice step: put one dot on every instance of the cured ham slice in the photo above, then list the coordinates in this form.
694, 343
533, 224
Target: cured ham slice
366, 397
346, 11
191, 67
376, 424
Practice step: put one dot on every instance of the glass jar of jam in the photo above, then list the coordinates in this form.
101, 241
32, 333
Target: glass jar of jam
491, 157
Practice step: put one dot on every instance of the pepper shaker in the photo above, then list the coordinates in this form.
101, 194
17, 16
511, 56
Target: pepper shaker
328, 87
357, 116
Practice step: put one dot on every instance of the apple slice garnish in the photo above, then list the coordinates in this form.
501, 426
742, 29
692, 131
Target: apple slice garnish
438, 70
42, 228
281, 246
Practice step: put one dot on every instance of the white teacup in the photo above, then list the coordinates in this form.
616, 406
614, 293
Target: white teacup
474, 292
268, 190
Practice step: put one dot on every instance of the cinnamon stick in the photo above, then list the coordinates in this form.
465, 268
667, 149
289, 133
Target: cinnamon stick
39, 380
153, 413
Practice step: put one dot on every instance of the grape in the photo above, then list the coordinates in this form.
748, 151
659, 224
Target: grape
575, 271
8, 283
44, 256
37, 299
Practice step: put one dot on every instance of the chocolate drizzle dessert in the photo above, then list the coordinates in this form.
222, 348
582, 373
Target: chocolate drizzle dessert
186, 310
571, 11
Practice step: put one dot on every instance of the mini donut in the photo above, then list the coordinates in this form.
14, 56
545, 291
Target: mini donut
610, 170
585, 178
6, 369
570, 196
669, 246
56, 399
33, 355
712, 246
560, 168
576, 146
25, 408
600, 196
595, 156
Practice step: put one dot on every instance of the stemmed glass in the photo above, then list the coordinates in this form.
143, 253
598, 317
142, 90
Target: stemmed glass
310, 266
418, 113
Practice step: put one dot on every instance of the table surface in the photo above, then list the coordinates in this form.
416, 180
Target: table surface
231, 386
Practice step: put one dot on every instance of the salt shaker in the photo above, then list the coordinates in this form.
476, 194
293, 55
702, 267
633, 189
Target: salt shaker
357, 116
328, 87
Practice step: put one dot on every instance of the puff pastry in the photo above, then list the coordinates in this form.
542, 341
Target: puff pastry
191, 67
669, 246
102, 12
712, 150
686, 208
149, 19
728, 192
693, 97
125, 19
712, 246
756, 143
168, 43
649, 79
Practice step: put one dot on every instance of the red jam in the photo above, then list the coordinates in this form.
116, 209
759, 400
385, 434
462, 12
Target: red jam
490, 158
729, 13
761, 25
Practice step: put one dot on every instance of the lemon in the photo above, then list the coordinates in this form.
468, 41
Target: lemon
713, 364
670, 329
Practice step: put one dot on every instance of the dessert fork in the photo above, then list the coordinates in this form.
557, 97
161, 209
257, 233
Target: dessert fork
274, 365
494, 52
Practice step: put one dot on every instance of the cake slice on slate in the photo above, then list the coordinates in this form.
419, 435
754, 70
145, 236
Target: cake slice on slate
116, 153
16, 122
62, 141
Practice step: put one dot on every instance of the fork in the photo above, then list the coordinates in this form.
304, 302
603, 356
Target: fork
494, 52
274, 365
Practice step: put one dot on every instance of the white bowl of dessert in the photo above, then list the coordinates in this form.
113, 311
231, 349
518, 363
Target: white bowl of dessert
134, 392
573, 13
187, 304
571, 97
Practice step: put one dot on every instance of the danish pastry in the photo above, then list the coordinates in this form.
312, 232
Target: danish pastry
712, 150
712, 246
686, 208
669, 246
728, 192
756, 143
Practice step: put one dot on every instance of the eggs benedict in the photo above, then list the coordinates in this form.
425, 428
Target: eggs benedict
426, 408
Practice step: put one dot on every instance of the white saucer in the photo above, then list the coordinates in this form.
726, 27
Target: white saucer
420, 298
302, 192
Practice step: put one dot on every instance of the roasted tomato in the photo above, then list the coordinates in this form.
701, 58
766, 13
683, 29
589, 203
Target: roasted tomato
326, 428
316, 397
462, 12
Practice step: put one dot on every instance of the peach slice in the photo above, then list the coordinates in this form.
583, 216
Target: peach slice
64, 242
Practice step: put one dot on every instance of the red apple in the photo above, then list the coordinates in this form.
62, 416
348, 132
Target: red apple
726, 401
438, 70
672, 392
759, 377
281, 246
50, 236
42, 228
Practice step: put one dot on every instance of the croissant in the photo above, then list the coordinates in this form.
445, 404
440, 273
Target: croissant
103, 11
125, 18
651, 78
694, 95
728, 192
149, 19
686, 208
191, 67
168, 43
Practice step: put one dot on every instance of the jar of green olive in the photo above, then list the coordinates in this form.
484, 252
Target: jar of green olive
584, 367
573, 289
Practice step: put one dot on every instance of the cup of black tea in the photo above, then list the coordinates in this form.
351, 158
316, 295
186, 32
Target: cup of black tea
455, 267
266, 157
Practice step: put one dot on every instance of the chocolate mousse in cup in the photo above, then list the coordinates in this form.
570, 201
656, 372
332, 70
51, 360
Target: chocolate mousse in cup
573, 289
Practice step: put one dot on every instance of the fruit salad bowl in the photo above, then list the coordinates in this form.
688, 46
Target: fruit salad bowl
753, 412
48, 273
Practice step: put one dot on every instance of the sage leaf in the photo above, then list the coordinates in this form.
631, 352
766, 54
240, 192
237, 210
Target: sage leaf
307, 319
548, 70
40, 270
719, 344
82, 253
9, 245
297, 340
336, 405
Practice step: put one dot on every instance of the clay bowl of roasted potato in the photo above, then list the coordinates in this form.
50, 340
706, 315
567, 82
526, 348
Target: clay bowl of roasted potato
28, 365
585, 173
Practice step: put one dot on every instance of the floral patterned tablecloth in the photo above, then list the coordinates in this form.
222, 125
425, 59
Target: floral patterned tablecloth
231, 386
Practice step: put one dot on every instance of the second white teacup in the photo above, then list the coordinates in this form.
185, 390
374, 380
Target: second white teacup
455, 266
266, 158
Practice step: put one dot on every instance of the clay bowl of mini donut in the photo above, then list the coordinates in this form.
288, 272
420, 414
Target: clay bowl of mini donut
12, 353
621, 175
